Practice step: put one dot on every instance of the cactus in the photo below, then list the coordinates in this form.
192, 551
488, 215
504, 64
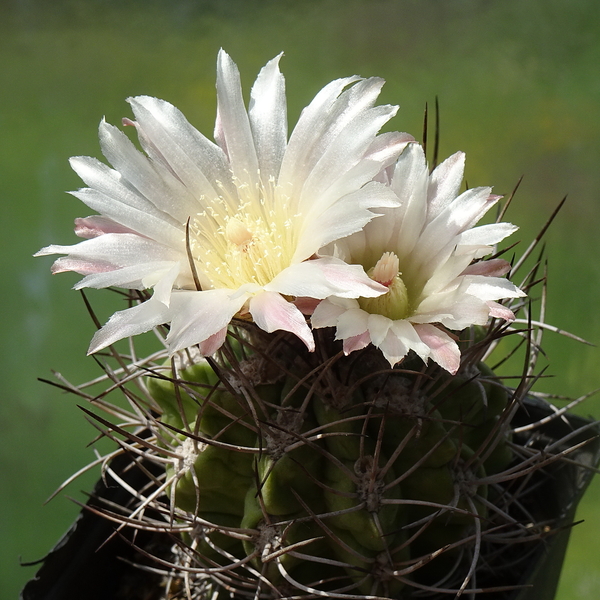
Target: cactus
341, 473
289, 473
316, 427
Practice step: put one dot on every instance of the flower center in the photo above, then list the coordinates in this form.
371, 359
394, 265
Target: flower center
394, 304
250, 243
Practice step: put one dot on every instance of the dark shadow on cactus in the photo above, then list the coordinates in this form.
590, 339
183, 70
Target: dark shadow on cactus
92, 560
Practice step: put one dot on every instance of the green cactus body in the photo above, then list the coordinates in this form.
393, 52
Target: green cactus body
343, 475
212, 479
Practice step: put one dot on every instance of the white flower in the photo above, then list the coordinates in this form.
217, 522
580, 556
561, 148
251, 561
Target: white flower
423, 252
232, 228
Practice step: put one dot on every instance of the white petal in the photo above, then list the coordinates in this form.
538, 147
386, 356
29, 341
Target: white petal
325, 277
129, 322
378, 328
170, 140
326, 313
410, 181
196, 316
232, 128
454, 310
346, 150
301, 153
445, 184
458, 216
268, 118
351, 323
165, 192
492, 288
112, 250
486, 235
271, 312
348, 215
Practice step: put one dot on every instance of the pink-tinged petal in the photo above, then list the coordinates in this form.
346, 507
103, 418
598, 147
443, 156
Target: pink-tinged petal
130, 322
196, 316
213, 343
136, 277
444, 350
358, 342
406, 332
96, 225
78, 265
501, 312
352, 322
325, 277
327, 312
393, 348
140, 220
271, 312
306, 305
496, 267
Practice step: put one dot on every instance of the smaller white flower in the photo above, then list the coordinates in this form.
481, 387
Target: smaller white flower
232, 228
423, 252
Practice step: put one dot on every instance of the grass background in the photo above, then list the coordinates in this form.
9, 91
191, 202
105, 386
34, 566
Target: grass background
519, 90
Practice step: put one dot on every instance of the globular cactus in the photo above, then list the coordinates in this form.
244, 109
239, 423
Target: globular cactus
322, 473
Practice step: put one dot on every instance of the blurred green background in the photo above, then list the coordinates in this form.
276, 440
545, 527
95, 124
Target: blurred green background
519, 89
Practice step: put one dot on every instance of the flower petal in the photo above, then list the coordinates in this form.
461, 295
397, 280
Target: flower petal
271, 312
268, 119
325, 277
129, 322
444, 350
232, 128
196, 316
351, 323
358, 342
327, 312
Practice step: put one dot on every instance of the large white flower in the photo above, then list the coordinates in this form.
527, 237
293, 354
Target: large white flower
232, 228
423, 251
